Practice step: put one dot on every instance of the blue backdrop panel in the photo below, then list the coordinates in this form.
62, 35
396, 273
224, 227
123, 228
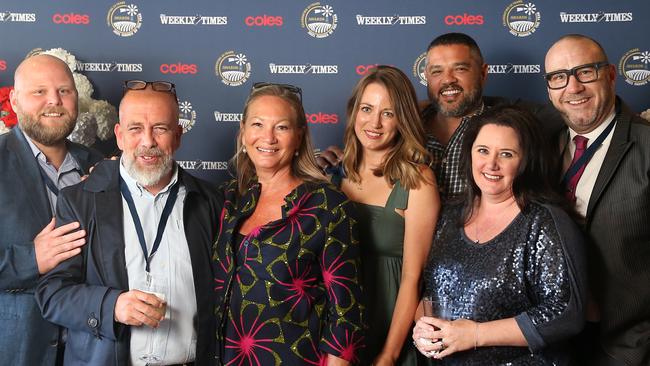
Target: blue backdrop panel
215, 50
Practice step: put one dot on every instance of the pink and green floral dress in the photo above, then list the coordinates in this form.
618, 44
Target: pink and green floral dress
288, 292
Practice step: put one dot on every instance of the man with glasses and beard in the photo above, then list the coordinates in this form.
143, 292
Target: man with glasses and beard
36, 161
140, 292
604, 159
455, 73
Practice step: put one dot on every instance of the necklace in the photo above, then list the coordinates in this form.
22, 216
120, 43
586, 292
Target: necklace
476, 240
496, 222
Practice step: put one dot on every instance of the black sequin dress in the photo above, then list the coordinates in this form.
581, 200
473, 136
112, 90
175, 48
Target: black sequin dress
529, 271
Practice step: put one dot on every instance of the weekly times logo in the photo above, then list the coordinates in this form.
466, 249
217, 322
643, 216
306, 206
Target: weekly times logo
125, 19
633, 66
319, 20
522, 19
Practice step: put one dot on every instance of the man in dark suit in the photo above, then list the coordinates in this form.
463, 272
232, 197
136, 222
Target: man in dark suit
606, 164
36, 161
140, 292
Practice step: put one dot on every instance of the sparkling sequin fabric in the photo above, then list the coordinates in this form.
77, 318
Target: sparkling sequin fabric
520, 273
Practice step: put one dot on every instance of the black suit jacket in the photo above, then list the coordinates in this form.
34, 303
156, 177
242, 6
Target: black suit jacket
617, 227
25, 337
80, 293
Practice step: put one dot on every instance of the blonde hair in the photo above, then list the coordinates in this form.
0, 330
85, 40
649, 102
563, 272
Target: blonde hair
402, 161
303, 166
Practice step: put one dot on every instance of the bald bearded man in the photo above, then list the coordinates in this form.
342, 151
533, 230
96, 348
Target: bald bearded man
36, 160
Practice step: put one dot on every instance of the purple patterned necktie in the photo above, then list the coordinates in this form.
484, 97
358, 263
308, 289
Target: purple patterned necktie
581, 146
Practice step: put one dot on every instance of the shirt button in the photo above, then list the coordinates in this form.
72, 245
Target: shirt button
92, 322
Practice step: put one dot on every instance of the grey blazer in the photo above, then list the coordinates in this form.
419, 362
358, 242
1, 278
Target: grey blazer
617, 226
25, 337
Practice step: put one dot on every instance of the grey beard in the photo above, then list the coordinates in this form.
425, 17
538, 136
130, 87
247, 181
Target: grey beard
148, 178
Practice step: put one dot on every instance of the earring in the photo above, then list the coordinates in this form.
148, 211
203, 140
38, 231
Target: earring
243, 149
296, 153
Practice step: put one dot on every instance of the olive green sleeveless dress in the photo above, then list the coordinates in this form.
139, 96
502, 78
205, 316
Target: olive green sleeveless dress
381, 232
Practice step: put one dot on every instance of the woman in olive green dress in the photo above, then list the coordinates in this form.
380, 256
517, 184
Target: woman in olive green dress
397, 200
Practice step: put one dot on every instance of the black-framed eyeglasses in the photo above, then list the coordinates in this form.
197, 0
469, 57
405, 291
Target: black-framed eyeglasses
161, 86
587, 73
292, 88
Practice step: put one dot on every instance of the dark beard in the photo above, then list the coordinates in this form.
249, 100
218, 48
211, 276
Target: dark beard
48, 136
470, 103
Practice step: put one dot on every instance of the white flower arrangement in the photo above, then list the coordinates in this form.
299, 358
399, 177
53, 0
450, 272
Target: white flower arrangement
646, 114
97, 118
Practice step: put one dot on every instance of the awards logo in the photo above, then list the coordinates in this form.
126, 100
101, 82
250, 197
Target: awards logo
633, 66
125, 19
419, 68
233, 68
186, 116
319, 20
522, 19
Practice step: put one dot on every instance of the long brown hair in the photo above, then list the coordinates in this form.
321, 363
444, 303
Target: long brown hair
303, 166
408, 152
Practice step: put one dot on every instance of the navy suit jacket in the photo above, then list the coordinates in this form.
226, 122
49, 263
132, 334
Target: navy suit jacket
80, 293
25, 337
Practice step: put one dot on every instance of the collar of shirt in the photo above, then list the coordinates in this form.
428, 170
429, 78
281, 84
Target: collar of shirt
69, 163
137, 189
593, 135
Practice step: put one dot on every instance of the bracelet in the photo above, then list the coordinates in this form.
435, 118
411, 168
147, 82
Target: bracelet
476, 337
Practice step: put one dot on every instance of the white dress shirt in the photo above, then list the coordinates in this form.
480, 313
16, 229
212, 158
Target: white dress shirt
588, 179
171, 269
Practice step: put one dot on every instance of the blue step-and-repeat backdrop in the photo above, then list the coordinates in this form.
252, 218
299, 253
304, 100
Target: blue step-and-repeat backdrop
215, 50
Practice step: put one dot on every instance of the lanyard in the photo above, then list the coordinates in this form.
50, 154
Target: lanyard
167, 210
591, 150
48, 182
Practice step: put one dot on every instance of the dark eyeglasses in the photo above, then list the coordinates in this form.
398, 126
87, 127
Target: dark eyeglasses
292, 88
161, 86
587, 73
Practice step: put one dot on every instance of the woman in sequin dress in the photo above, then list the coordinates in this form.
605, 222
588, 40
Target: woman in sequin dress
396, 197
286, 258
506, 262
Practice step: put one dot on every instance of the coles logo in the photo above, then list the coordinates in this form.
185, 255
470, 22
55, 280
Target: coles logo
186, 116
465, 19
3, 65
320, 20
264, 21
233, 68
322, 118
125, 19
178, 68
419, 67
71, 18
633, 66
365, 69
522, 19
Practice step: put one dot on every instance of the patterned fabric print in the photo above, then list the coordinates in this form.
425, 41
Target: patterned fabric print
290, 287
446, 159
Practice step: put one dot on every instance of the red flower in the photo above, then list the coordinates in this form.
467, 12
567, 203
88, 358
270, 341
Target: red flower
7, 114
